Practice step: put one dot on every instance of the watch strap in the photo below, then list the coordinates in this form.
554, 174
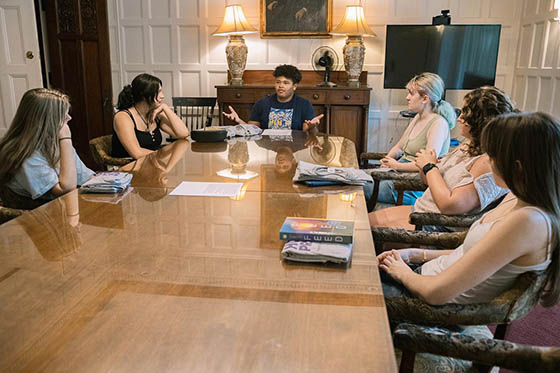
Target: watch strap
428, 167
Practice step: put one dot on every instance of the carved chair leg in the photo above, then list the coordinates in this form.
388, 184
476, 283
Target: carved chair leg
407, 362
378, 245
373, 200
501, 331
482, 368
400, 196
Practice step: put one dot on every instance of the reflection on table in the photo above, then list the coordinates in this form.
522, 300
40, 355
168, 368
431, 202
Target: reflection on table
155, 282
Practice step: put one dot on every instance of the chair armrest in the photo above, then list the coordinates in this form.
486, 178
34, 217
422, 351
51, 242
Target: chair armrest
378, 174
410, 184
485, 351
432, 218
364, 157
510, 305
448, 240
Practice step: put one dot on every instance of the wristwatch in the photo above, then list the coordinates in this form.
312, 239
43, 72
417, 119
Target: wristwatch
428, 167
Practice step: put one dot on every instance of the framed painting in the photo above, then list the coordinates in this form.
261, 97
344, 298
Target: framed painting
296, 18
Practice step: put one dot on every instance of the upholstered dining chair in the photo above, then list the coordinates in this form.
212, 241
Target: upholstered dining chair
381, 235
402, 180
196, 112
7, 214
501, 311
101, 150
440, 349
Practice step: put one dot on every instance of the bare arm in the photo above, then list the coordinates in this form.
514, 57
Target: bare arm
396, 152
458, 200
171, 123
514, 237
68, 176
125, 131
414, 256
232, 115
437, 134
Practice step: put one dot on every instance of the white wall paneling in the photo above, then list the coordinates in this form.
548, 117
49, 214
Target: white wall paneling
173, 37
537, 69
18, 35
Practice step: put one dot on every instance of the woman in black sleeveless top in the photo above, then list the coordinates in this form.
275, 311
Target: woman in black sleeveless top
142, 114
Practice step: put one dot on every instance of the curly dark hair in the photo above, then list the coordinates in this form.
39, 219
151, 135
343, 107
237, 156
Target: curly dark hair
288, 71
480, 106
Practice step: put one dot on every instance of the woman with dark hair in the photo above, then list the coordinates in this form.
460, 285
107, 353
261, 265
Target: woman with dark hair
518, 236
462, 181
142, 113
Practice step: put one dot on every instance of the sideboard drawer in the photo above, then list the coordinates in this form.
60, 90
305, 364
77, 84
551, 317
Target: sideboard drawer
237, 95
316, 97
348, 97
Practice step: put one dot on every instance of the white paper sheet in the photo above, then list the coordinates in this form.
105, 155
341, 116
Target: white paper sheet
270, 132
192, 188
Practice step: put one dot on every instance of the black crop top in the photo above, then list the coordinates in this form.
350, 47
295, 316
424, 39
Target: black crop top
146, 139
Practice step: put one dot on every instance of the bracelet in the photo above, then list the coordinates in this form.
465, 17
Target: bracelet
65, 138
424, 255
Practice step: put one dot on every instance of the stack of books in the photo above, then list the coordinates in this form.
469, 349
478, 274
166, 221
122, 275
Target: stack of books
107, 182
317, 240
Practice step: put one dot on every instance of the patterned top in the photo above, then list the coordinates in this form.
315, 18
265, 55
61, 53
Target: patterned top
455, 170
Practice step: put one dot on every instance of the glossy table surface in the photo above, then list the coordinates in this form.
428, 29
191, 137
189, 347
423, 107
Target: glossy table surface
156, 282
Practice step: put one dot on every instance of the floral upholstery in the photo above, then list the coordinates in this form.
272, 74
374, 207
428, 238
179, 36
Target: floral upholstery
474, 344
101, 150
365, 157
510, 305
444, 240
419, 219
7, 214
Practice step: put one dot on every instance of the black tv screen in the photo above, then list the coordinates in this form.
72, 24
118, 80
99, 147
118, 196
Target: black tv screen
465, 56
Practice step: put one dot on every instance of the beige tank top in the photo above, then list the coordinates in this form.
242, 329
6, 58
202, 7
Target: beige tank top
413, 146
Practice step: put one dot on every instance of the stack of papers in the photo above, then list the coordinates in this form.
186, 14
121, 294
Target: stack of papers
315, 252
107, 182
319, 175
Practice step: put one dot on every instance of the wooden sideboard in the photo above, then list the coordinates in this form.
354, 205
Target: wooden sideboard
345, 108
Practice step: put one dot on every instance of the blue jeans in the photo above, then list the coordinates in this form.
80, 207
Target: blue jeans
388, 194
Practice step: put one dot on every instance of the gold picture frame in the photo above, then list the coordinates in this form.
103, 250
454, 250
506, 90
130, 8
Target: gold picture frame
294, 19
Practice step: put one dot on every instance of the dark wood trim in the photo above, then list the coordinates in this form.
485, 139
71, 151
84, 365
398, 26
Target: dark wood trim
309, 77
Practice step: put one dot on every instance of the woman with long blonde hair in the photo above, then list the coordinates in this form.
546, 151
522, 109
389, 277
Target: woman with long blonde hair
39, 162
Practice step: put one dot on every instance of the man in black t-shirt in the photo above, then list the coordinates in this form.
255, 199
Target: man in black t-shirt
284, 109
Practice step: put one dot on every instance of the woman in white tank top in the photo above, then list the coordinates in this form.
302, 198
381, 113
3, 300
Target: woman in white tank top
518, 236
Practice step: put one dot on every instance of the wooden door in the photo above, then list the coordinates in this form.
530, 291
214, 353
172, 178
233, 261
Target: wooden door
20, 60
80, 64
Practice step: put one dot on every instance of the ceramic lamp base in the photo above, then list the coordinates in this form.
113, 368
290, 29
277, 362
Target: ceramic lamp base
354, 52
236, 53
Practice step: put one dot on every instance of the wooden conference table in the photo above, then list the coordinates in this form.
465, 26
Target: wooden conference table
166, 283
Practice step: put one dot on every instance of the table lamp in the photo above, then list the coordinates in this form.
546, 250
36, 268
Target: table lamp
235, 25
354, 26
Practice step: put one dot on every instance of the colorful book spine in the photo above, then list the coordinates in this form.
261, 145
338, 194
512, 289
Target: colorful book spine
317, 230
315, 238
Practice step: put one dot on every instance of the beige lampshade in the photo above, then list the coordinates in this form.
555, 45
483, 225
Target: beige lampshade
234, 22
354, 23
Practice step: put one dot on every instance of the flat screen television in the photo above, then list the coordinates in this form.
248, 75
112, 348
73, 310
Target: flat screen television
465, 56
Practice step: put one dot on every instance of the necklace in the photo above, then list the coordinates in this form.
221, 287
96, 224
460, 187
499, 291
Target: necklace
153, 134
143, 119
